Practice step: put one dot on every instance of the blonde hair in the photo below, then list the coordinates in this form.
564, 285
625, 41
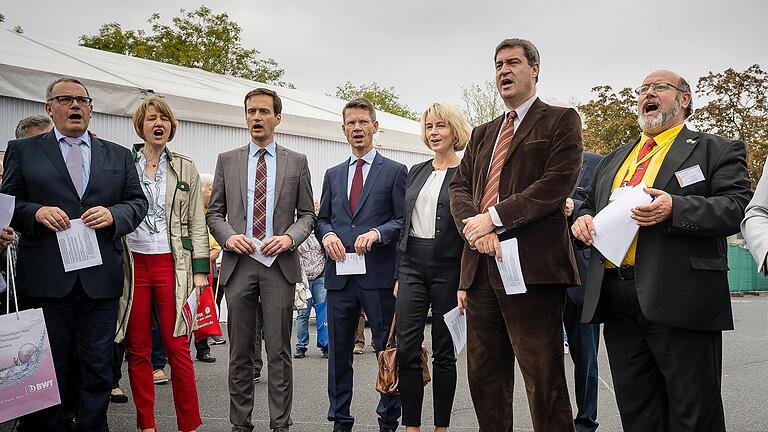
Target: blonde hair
455, 120
162, 107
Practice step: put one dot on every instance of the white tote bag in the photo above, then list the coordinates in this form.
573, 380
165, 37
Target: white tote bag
27, 375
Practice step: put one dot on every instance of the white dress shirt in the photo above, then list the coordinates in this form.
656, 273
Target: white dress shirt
270, 158
368, 158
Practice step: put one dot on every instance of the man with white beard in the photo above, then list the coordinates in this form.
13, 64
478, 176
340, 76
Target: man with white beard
666, 304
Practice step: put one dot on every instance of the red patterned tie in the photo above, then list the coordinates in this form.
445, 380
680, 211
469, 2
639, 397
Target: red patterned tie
640, 171
491, 194
260, 198
357, 185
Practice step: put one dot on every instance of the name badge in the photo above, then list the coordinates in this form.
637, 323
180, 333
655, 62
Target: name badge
689, 176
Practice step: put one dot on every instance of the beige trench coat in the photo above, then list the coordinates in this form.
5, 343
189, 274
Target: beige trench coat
188, 236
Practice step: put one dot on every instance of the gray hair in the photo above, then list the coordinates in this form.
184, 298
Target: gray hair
529, 49
32, 122
686, 88
206, 180
49, 89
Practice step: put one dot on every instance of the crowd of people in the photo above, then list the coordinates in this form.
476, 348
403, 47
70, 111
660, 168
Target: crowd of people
431, 237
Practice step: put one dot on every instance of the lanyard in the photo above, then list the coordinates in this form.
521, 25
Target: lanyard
634, 165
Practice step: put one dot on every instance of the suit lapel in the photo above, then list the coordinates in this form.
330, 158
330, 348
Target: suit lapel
419, 181
242, 173
344, 185
97, 163
535, 112
681, 148
603, 188
51, 148
282, 165
373, 172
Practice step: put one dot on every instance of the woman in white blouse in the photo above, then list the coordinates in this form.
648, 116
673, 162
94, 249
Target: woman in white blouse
429, 254
169, 258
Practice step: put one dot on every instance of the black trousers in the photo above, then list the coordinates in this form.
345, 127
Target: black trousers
91, 323
666, 379
425, 281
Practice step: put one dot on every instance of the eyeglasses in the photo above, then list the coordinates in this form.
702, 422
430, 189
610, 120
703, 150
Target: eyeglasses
657, 88
67, 100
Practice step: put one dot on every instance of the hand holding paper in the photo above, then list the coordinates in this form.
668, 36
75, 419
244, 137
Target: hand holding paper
614, 227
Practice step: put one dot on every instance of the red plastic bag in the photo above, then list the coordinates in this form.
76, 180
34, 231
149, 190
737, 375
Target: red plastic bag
207, 320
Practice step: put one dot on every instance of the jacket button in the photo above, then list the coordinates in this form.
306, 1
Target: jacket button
353, 225
439, 204
437, 230
439, 217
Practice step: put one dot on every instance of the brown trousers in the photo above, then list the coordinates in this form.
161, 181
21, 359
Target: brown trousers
527, 327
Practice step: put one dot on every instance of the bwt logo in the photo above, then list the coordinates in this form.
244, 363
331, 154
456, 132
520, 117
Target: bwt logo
41, 386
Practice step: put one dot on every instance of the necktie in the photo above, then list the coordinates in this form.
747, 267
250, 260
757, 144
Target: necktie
640, 171
491, 193
75, 163
357, 185
260, 198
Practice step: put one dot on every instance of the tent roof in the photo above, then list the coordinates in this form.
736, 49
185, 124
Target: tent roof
118, 82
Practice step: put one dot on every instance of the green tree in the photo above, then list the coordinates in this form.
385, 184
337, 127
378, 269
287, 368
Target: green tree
2, 18
382, 98
610, 119
198, 39
737, 108
482, 102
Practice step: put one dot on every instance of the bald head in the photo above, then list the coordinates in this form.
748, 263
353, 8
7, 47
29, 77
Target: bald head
664, 101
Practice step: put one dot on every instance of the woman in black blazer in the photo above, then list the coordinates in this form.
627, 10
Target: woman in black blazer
429, 260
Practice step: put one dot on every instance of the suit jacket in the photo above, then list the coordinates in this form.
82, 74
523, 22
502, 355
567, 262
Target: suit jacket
294, 212
380, 207
36, 174
448, 241
755, 224
580, 193
539, 173
681, 264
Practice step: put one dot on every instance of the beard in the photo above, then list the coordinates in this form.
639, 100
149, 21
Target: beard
652, 122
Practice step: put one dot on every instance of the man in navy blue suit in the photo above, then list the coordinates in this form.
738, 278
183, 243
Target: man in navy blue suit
361, 211
583, 339
56, 177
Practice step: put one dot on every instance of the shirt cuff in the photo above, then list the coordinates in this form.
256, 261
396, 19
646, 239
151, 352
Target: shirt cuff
377, 233
329, 234
495, 217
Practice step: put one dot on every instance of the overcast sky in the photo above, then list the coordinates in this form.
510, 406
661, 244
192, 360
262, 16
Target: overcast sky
428, 50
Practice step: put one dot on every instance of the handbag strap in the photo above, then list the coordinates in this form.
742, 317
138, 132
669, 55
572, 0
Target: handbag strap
11, 283
391, 338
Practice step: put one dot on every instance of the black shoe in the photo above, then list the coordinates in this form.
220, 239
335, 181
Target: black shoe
120, 398
206, 358
300, 353
325, 352
386, 430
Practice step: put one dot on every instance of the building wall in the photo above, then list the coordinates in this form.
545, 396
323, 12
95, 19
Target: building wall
202, 142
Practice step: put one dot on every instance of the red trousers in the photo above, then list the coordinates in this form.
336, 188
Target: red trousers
154, 288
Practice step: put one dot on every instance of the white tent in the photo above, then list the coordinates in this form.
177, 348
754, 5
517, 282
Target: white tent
209, 106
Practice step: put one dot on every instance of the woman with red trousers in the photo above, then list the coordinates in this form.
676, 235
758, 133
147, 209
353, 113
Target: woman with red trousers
169, 261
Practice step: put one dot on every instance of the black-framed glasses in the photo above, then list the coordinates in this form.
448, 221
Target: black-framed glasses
657, 88
67, 100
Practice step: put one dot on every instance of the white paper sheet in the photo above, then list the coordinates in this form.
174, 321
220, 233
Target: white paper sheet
353, 264
614, 227
7, 206
78, 246
509, 268
258, 256
457, 325
190, 311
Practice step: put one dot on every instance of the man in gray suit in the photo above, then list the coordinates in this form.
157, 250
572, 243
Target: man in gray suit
261, 195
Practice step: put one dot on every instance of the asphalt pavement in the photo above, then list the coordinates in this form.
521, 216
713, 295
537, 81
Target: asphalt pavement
745, 387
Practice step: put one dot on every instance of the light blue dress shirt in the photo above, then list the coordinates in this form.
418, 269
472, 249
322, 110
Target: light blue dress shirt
85, 149
271, 159
368, 158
